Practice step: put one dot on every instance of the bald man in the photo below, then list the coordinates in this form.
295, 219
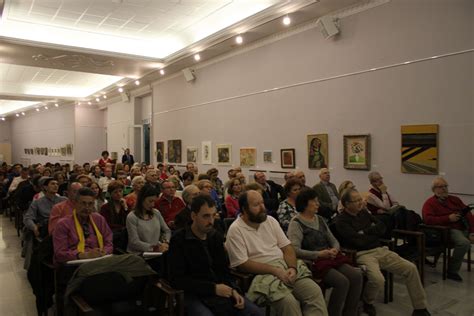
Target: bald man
448, 210
328, 195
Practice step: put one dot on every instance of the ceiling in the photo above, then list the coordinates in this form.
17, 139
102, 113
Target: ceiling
65, 51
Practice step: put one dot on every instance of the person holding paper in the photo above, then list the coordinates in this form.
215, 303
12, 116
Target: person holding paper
84, 234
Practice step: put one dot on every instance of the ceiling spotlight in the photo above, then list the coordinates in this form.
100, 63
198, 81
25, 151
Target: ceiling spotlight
286, 20
3, 119
23, 113
120, 89
239, 40
56, 105
90, 103
137, 82
78, 103
17, 115
197, 57
162, 72
45, 107
97, 99
37, 109
104, 96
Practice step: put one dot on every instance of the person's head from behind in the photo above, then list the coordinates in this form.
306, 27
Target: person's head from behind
72, 189
352, 201
203, 212
324, 175
439, 186
189, 193
85, 204
254, 186
205, 186
260, 178
292, 187
115, 190
252, 207
188, 178
105, 154
347, 184
146, 200
83, 179
235, 187
307, 202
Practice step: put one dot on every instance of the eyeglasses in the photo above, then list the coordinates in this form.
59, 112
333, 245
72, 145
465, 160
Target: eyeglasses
441, 186
357, 201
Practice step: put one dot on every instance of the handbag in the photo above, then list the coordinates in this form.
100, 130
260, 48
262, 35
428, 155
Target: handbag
320, 267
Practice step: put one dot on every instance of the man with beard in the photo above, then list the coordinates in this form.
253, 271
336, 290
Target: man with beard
256, 244
199, 265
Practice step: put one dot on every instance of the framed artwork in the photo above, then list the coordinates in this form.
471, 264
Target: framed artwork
206, 152
287, 158
248, 157
267, 156
224, 154
174, 151
160, 152
63, 151
69, 149
191, 154
420, 149
318, 152
357, 152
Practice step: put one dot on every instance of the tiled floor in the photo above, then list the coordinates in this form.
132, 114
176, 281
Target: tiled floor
446, 298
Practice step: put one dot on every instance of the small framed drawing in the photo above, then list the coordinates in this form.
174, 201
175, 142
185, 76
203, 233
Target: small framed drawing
206, 153
160, 152
248, 157
191, 154
224, 154
357, 152
318, 154
267, 156
287, 158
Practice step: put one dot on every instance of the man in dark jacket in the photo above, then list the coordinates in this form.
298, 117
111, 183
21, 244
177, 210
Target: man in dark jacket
360, 230
273, 193
198, 264
327, 195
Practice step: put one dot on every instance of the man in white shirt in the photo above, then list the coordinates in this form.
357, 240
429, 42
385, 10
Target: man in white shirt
106, 179
17, 180
256, 244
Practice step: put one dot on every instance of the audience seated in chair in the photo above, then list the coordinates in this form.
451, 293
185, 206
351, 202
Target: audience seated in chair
137, 184
448, 210
287, 209
198, 264
183, 218
328, 195
169, 204
106, 179
82, 235
347, 184
256, 244
64, 208
314, 243
379, 201
361, 231
232, 199
273, 193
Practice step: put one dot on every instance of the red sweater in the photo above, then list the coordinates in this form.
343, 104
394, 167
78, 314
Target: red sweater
436, 212
232, 206
169, 210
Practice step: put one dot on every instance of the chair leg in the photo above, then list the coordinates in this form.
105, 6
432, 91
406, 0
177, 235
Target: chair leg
445, 263
469, 260
386, 287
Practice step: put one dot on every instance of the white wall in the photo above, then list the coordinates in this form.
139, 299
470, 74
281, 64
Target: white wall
90, 134
5, 142
52, 129
376, 102
5, 127
119, 119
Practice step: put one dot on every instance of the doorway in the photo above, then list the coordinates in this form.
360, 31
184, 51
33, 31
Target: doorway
146, 143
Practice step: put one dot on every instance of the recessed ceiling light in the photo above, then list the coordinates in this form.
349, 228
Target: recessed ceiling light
3, 119
37, 109
90, 103
56, 105
286, 20
137, 82
78, 103
197, 57
17, 115
162, 72
239, 40
104, 96
45, 107
23, 113
97, 99
120, 89
407, 62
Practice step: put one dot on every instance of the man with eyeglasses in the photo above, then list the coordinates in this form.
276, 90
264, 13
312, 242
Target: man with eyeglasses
360, 230
448, 210
84, 234
168, 204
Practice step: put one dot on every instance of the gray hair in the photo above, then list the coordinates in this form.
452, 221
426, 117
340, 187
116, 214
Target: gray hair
136, 179
186, 194
372, 175
436, 181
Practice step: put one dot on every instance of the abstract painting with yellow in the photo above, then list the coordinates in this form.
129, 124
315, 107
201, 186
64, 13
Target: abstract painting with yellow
420, 149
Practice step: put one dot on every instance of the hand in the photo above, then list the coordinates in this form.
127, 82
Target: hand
223, 290
36, 231
282, 275
124, 204
383, 188
163, 247
324, 254
454, 217
239, 300
94, 253
291, 275
333, 252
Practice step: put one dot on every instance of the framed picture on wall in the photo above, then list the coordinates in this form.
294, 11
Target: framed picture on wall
420, 149
318, 152
206, 152
357, 152
191, 154
160, 152
267, 156
248, 157
174, 151
224, 154
287, 158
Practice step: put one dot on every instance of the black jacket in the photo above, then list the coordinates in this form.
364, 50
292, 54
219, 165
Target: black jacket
194, 269
359, 232
273, 196
128, 160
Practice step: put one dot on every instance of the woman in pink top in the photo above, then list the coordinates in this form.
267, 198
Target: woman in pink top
232, 199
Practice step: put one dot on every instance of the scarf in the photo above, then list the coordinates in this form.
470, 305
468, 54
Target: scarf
81, 246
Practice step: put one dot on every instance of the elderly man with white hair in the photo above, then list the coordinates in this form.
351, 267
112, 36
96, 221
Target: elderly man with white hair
328, 195
448, 210
379, 201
